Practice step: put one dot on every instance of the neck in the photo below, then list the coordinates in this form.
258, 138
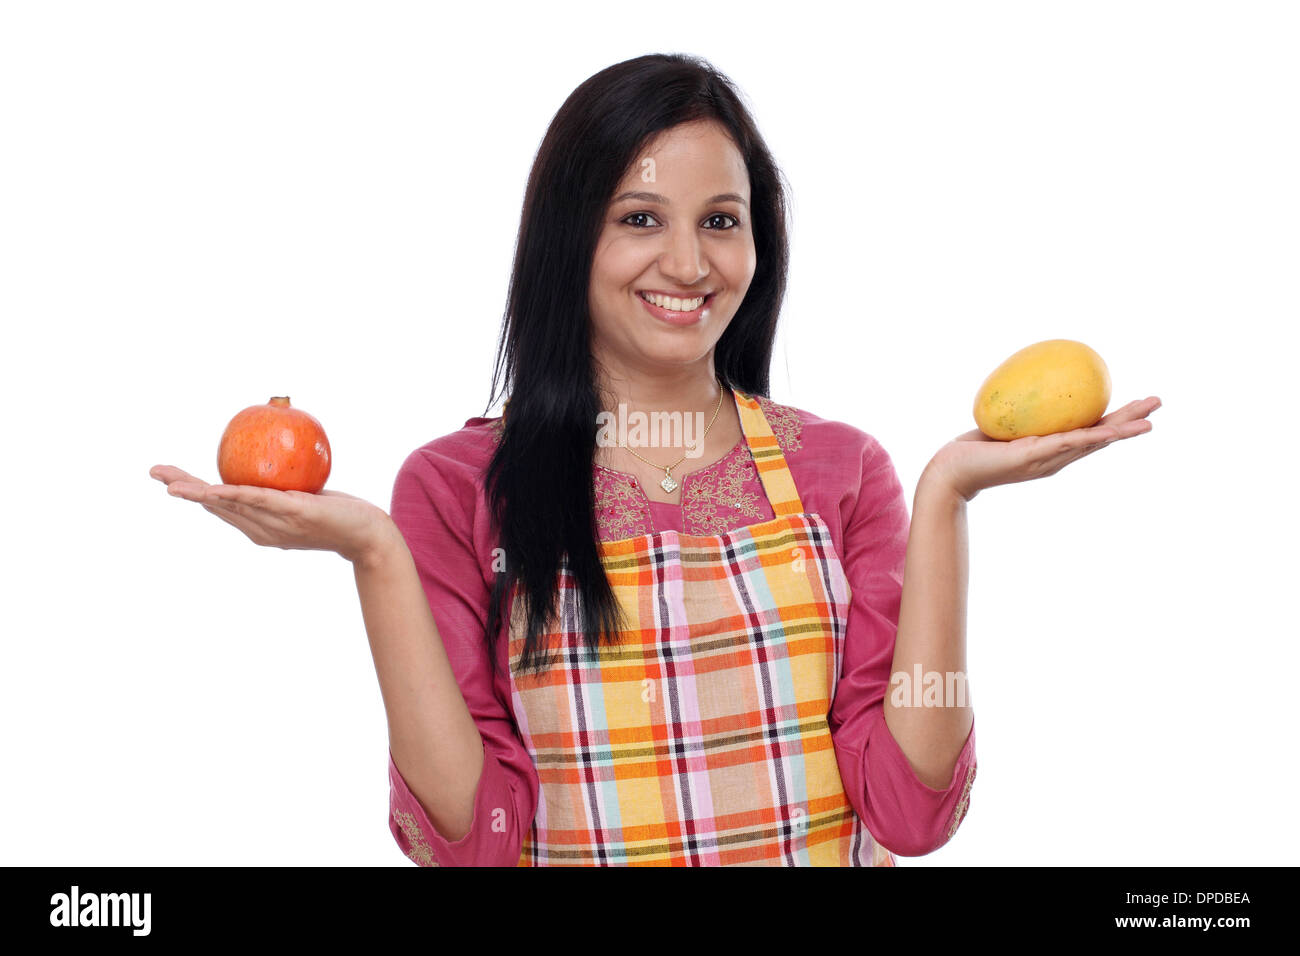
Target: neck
687, 391
708, 420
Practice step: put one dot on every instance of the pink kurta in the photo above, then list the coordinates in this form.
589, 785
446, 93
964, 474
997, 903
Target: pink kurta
843, 475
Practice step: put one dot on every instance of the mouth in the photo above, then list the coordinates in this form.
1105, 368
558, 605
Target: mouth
681, 304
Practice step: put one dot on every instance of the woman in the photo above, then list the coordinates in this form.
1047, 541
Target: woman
701, 634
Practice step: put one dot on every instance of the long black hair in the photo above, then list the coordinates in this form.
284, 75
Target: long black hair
539, 481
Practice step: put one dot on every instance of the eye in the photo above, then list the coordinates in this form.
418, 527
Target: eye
722, 215
636, 215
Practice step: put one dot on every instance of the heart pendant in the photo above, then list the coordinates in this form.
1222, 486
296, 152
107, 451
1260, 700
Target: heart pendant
668, 484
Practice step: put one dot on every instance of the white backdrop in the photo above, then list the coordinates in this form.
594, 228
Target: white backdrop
204, 205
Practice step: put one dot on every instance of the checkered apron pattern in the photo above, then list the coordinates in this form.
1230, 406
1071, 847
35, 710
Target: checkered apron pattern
700, 738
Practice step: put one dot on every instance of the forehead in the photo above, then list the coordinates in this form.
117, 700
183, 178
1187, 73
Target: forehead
698, 156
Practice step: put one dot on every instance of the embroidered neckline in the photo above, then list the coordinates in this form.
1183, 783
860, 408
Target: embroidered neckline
713, 499
741, 446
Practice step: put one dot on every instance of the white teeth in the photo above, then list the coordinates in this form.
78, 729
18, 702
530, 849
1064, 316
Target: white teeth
673, 304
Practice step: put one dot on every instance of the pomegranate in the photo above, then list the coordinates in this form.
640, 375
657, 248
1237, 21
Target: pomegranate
275, 446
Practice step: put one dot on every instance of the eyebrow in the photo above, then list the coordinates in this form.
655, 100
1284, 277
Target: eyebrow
663, 200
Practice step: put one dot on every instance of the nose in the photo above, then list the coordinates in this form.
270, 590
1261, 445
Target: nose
682, 260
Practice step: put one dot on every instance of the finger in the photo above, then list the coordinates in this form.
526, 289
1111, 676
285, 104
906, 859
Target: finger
1105, 432
253, 497
1131, 428
1134, 410
189, 490
169, 473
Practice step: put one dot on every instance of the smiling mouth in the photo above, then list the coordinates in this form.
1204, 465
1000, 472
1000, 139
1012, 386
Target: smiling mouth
674, 303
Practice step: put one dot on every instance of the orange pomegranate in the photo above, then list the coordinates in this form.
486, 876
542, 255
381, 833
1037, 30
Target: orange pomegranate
275, 446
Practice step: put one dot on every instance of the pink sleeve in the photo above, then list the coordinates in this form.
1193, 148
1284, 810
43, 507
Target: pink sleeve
902, 813
434, 507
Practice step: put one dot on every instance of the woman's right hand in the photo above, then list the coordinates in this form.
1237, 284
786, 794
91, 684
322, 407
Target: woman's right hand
291, 520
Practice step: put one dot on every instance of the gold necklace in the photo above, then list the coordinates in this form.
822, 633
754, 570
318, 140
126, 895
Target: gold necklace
669, 484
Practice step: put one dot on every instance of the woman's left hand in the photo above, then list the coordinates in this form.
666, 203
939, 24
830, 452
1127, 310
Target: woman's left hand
972, 461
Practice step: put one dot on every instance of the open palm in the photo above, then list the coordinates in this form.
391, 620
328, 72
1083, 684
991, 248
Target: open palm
972, 461
291, 520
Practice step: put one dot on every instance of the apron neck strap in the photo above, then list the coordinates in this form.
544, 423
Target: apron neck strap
768, 457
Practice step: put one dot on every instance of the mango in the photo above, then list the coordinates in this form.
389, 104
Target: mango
1045, 388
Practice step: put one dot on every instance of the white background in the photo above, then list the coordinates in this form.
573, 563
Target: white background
204, 205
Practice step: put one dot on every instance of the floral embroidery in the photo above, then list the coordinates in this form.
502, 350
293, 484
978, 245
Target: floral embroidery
419, 850
705, 491
963, 802
622, 509
785, 422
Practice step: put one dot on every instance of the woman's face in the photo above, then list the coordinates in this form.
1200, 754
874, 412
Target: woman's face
679, 226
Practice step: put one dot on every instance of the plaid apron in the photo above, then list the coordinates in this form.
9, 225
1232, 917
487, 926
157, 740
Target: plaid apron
700, 738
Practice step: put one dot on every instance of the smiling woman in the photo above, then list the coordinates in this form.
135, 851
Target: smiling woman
695, 679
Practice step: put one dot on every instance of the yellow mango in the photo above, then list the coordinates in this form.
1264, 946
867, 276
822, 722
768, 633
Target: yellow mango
1045, 388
